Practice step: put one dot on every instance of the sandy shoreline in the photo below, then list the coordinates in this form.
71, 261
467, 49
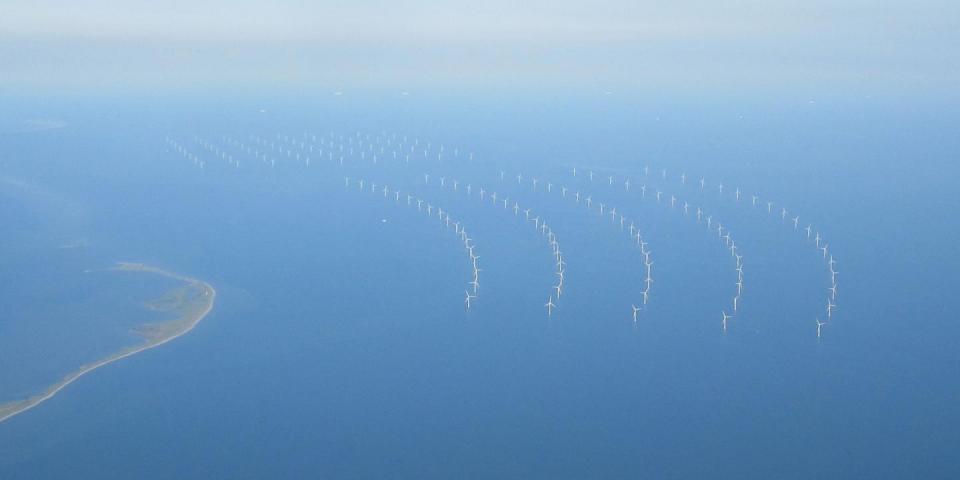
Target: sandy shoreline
184, 325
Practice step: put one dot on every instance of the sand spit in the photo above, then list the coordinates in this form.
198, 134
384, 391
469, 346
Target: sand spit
191, 302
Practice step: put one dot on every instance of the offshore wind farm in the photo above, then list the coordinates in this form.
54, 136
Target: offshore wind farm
358, 152
397, 296
519, 240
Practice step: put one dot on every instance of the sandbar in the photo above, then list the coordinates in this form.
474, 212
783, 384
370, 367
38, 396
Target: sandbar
191, 302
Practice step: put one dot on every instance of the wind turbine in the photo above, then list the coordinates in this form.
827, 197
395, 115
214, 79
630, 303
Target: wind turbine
550, 305
724, 321
819, 326
636, 310
469, 297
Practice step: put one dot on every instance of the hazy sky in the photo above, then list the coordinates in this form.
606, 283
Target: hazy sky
411, 45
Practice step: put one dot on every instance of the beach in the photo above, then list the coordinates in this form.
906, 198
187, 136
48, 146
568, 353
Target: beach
191, 314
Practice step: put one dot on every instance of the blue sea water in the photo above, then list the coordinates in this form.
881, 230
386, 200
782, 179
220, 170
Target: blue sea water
339, 346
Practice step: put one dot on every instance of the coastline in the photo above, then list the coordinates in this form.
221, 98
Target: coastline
183, 325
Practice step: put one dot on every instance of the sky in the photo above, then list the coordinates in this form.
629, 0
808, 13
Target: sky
892, 46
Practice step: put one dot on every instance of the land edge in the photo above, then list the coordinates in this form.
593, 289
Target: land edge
17, 407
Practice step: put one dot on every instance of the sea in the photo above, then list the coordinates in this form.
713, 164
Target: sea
340, 346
